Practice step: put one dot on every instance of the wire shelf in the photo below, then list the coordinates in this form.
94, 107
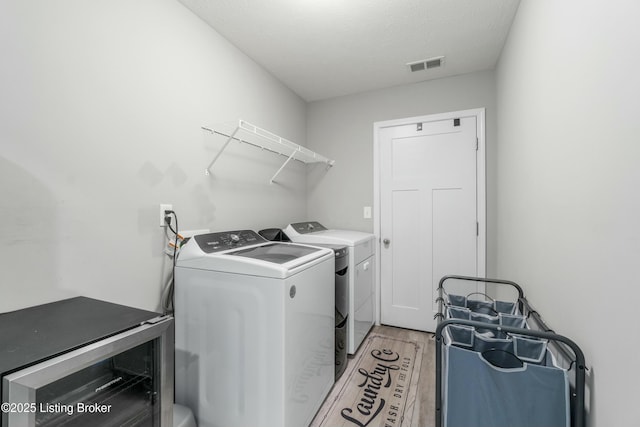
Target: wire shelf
255, 136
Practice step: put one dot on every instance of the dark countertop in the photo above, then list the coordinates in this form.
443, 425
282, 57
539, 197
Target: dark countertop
35, 334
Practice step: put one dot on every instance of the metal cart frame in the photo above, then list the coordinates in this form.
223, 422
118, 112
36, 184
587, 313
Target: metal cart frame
564, 346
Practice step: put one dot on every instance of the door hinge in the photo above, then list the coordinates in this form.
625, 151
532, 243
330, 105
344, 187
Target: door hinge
477, 228
477, 143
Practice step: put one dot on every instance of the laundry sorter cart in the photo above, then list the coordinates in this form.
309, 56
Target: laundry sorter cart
499, 365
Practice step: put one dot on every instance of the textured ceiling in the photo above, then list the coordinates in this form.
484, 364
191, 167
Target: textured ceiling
327, 48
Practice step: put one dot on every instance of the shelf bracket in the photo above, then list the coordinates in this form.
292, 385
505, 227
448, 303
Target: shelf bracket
229, 139
282, 167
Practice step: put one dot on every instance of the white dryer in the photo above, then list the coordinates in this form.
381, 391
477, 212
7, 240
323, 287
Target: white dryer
254, 330
361, 272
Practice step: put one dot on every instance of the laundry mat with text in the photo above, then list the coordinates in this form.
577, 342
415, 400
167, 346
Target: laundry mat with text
379, 391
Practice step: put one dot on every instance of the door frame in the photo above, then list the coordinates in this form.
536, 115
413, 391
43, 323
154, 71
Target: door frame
481, 180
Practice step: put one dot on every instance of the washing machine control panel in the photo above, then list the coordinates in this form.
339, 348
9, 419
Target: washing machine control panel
308, 227
217, 242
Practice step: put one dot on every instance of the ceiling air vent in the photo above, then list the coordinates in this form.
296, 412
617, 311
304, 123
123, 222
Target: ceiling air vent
426, 64
417, 66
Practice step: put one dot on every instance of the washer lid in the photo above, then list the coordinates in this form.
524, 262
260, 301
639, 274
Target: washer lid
275, 252
322, 235
307, 227
244, 252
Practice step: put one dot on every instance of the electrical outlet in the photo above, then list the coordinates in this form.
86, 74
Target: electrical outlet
164, 207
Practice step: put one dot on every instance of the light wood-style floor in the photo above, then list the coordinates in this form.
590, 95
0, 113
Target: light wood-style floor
424, 409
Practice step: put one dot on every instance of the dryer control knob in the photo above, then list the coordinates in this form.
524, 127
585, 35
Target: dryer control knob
234, 238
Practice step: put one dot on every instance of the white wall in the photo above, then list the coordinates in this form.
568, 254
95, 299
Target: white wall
342, 129
100, 112
568, 205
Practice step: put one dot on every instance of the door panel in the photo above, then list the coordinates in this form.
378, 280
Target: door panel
454, 237
406, 262
428, 213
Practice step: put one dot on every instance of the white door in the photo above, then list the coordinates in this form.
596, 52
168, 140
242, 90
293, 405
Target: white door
429, 222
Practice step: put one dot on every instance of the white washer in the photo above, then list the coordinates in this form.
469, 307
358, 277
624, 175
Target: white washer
254, 330
361, 273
